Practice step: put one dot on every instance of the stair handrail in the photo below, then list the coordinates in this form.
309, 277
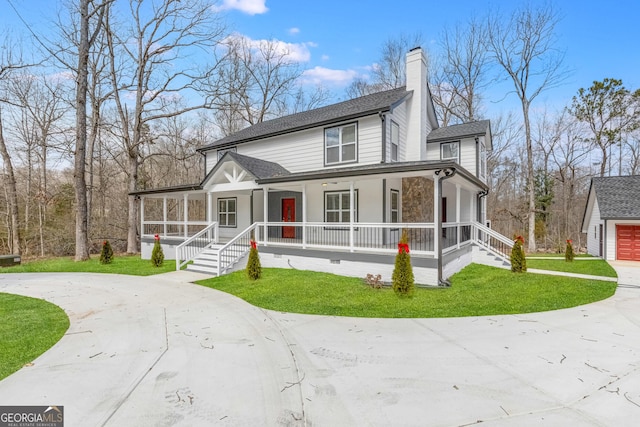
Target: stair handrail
491, 233
190, 251
244, 235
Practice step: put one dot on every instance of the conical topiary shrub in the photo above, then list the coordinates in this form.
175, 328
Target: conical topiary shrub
254, 269
518, 260
568, 252
106, 254
157, 255
402, 278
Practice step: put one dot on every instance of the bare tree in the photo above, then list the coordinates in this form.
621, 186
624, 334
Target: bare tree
12, 196
458, 82
524, 47
150, 60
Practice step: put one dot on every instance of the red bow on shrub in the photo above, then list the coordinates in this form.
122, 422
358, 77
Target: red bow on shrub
254, 245
403, 247
569, 241
157, 237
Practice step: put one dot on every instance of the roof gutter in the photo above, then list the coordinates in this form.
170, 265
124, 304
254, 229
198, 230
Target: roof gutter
446, 174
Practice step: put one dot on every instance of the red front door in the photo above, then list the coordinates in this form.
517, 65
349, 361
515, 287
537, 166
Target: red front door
288, 215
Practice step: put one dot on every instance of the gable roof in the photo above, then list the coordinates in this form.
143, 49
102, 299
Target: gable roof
618, 196
346, 110
260, 169
464, 130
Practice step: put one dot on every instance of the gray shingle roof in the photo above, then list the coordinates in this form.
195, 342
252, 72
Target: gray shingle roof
261, 169
471, 129
618, 196
346, 110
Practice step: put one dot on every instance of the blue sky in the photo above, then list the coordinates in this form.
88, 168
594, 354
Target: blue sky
339, 40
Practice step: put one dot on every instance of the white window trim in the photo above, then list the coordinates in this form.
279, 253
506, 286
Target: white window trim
457, 158
227, 212
340, 144
342, 193
397, 209
396, 143
483, 160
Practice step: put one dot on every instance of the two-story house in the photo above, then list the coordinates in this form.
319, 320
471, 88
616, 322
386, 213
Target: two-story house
331, 189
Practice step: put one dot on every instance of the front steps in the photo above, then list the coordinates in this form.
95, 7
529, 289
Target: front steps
207, 261
481, 255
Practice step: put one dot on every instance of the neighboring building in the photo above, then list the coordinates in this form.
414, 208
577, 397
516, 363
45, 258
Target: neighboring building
331, 189
612, 218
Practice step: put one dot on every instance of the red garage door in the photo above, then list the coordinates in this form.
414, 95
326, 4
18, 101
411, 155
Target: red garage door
628, 242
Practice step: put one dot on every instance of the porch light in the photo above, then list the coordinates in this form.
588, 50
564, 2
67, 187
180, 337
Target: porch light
324, 184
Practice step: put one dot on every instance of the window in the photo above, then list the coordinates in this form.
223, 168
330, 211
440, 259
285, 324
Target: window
223, 151
227, 212
336, 206
395, 206
395, 141
340, 144
450, 151
483, 160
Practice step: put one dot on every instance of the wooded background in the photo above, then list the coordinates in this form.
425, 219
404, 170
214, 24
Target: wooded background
115, 102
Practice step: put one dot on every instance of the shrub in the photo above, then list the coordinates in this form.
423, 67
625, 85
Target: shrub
569, 254
402, 278
106, 255
374, 281
254, 269
518, 260
157, 255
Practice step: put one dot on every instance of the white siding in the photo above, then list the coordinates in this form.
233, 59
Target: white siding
304, 150
369, 200
468, 155
433, 151
243, 216
399, 116
593, 231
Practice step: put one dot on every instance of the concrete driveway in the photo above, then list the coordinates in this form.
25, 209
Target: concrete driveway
161, 351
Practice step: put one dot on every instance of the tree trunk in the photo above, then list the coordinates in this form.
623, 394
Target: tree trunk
530, 179
12, 198
82, 239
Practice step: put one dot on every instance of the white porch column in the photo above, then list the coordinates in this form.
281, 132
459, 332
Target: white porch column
351, 216
265, 210
210, 214
304, 216
458, 213
436, 213
185, 214
141, 215
164, 215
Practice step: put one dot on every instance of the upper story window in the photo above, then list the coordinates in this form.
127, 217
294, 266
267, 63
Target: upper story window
224, 150
395, 141
341, 144
483, 160
450, 151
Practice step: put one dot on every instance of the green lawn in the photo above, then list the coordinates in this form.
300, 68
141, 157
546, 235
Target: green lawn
477, 290
596, 267
28, 327
122, 264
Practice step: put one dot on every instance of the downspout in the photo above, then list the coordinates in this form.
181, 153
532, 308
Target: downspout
384, 136
447, 173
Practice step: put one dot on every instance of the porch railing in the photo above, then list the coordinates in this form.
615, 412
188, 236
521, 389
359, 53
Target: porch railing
492, 240
371, 237
173, 228
235, 249
195, 245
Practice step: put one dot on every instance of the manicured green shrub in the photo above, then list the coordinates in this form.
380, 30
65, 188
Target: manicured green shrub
157, 255
402, 278
106, 255
569, 254
254, 269
518, 260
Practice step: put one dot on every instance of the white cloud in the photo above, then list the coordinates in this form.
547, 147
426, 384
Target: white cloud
325, 57
294, 31
321, 75
296, 52
250, 7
